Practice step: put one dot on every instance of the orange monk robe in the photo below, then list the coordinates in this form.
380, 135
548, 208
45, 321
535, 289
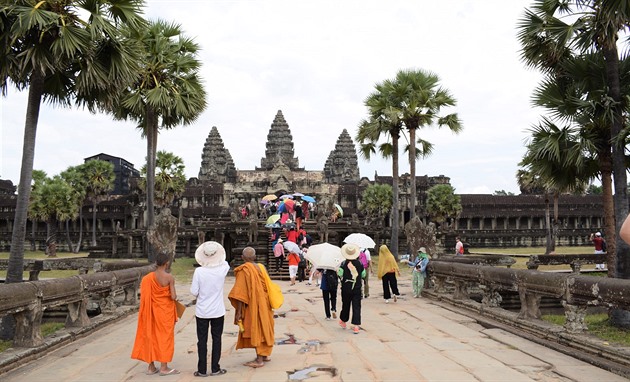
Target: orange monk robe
155, 336
250, 289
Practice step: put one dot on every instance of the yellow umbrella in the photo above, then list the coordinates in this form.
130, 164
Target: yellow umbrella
273, 218
270, 197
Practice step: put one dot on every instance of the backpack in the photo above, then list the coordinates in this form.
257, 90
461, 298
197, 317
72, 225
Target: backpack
604, 245
363, 259
332, 280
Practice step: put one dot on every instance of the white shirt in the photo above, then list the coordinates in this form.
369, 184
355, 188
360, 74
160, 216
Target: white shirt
367, 255
207, 286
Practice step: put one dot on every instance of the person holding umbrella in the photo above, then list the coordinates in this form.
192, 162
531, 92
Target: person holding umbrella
278, 253
351, 273
294, 261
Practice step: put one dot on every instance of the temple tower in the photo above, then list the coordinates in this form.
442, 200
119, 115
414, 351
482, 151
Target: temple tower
216, 162
279, 146
342, 164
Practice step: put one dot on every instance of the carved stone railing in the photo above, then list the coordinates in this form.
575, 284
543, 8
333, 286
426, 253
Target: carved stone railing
494, 260
575, 261
80, 264
27, 301
575, 291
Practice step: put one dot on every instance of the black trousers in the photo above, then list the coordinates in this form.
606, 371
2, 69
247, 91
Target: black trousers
389, 280
330, 301
351, 300
279, 262
216, 329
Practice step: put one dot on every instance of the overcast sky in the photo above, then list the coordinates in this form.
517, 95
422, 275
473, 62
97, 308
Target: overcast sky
317, 61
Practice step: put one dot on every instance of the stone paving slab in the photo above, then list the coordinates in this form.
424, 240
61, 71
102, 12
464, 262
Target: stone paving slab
410, 340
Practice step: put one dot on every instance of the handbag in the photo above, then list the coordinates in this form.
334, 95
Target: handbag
180, 308
273, 290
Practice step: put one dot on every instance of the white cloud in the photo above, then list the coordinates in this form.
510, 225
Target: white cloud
317, 61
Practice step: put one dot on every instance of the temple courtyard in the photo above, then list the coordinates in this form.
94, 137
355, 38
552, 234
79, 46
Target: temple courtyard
410, 340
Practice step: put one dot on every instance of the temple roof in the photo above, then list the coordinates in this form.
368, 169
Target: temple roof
342, 163
279, 146
216, 162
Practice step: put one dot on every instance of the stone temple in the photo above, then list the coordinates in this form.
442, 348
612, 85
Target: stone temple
209, 206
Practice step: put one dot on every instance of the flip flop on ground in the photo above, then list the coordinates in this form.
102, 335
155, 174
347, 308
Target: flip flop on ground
254, 364
170, 372
218, 372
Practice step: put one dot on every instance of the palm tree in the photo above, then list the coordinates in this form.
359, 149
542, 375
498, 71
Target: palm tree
443, 203
167, 92
549, 32
420, 101
384, 120
559, 159
170, 180
99, 176
39, 177
75, 178
53, 201
60, 51
576, 93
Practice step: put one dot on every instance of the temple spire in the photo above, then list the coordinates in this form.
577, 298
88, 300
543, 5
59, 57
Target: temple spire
342, 164
216, 162
279, 146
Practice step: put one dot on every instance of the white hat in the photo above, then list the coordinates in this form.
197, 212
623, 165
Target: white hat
598, 234
210, 254
280, 240
422, 250
350, 251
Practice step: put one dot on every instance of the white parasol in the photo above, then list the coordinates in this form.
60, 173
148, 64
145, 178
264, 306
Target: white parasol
292, 247
324, 256
360, 239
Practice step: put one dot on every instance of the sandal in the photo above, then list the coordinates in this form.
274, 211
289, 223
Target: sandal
198, 374
170, 372
254, 364
218, 372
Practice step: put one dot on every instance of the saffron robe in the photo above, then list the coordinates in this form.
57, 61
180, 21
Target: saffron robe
250, 289
155, 335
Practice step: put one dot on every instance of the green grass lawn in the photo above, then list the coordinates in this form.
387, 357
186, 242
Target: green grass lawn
598, 325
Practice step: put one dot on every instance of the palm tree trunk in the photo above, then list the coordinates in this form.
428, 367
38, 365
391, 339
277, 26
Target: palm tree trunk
618, 317
151, 132
33, 226
412, 170
396, 201
78, 247
605, 168
547, 224
94, 222
16, 258
556, 222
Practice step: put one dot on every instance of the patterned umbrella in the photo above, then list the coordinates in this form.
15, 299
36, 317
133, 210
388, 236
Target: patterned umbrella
360, 239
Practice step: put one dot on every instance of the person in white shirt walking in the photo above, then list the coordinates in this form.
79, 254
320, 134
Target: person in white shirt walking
207, 286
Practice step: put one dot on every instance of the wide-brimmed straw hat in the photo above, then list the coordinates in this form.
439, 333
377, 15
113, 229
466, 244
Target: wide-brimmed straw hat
350, 251
210, 254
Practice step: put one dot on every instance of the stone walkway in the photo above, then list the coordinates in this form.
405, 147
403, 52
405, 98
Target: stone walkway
410, 340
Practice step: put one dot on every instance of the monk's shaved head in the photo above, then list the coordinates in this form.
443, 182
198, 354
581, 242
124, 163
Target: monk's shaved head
249, 254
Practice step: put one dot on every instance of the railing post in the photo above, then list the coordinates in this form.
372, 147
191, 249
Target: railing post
28, 326
574, 315
530, 304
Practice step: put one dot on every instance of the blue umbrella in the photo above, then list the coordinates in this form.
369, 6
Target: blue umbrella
309, 199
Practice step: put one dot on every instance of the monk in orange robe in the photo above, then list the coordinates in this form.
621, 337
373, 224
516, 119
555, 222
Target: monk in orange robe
155, 336
253, 312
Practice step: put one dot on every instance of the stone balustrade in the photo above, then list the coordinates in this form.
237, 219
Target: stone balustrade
27, 301
575, 291
576, 260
